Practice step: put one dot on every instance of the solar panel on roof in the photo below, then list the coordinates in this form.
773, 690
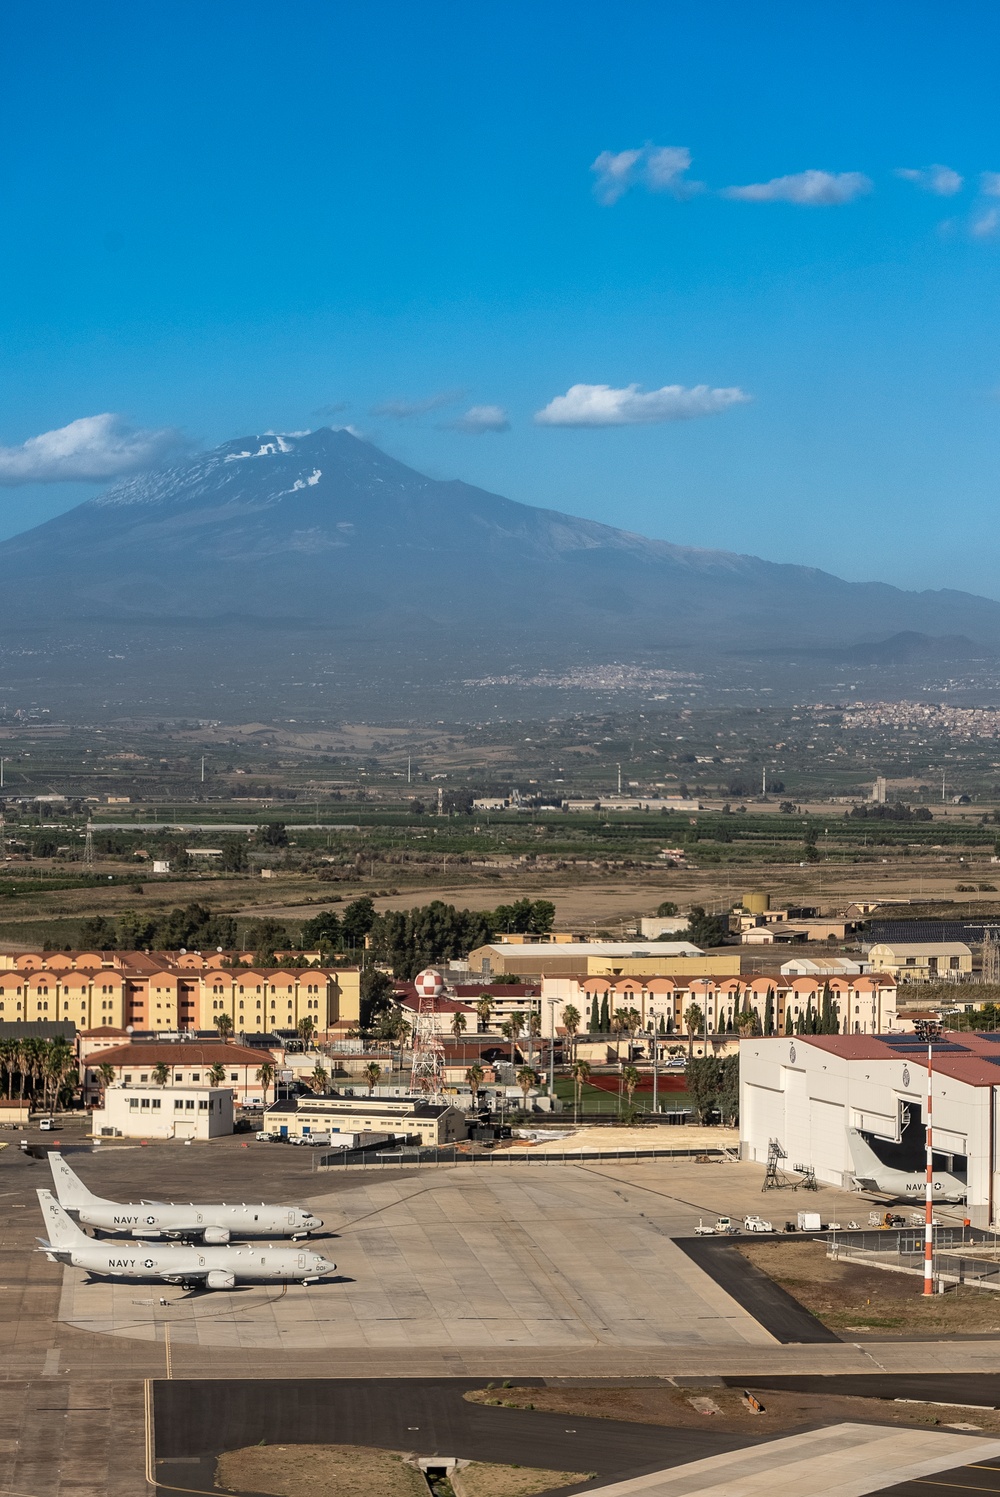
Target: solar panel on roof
941, 1047
992, 1037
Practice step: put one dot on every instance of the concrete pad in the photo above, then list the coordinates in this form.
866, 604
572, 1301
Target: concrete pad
843, 1460
567, 1259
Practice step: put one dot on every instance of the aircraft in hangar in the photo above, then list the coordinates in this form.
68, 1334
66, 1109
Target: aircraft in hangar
871, 1174
177, 1263
213, 1224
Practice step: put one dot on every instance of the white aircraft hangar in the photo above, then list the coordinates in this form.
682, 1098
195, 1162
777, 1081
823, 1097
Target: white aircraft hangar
811, 1093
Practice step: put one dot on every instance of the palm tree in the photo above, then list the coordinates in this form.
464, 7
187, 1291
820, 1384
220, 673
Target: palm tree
475, 1076
630, 1078
59, 1063
265, 1075
106, 1072
571, 1024
319, 1079
217, 1073
579, 1071
161, 1073
484, 1008
33, 1051
307, 1028
618, 1024
10, 1052
526, 1079
21, 1062
458, 1025
692, 1021
371, 1073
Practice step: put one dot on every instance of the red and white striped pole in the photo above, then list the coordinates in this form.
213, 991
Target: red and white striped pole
929, 1205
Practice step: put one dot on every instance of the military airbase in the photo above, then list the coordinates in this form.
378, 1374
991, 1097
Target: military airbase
551, 1277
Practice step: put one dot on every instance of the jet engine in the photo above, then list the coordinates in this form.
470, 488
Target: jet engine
216, 1234
220, 1279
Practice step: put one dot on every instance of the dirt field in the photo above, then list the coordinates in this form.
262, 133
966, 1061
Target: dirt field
479, 1480
318, 1471
690, 1408
350, 1470
852, 1297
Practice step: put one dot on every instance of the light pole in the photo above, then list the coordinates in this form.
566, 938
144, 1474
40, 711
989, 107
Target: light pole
552, 1046
929, 1031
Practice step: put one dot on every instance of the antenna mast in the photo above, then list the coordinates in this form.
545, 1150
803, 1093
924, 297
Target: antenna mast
427, 1068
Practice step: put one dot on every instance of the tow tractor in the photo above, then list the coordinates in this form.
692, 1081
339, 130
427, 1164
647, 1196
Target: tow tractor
724, 1227
756, 1224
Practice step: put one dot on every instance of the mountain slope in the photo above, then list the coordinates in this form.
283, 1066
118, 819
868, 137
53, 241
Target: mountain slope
325, 531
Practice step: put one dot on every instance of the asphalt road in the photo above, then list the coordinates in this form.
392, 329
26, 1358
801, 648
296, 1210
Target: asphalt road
983, 1477
775, 1309
971, 1389
197, 1419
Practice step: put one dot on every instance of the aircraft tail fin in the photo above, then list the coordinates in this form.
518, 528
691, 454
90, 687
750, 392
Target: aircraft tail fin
70, 1188
867, 1165
63, 1232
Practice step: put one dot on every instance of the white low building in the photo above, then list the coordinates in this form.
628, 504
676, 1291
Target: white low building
807, 1093
824, 966
164, 1112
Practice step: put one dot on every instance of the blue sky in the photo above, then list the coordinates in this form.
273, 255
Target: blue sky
230, 218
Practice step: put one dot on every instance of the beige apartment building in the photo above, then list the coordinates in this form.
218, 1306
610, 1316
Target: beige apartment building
864, 1004
175, 991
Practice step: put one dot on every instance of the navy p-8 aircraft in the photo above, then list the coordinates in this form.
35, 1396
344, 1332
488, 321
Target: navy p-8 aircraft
192, 1265
215, 1224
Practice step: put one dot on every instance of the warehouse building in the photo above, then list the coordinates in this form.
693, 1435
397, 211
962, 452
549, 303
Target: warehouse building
922, 961
817, 1095
410, 1118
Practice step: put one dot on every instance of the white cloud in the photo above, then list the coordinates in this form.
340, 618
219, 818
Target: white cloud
658, 168
480, 418
89, 450
810, 189
989, 184
986, 224
602, 405
405, 410
942, 180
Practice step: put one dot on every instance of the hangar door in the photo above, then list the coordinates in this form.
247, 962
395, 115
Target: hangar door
827, 1139
765, 1118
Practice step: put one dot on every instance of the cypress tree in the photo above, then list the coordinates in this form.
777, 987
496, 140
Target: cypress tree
826, 1012
662, 1029
605, 1022
769, 1012
788, 1022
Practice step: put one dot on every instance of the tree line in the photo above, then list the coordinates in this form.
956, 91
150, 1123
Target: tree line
38, 1068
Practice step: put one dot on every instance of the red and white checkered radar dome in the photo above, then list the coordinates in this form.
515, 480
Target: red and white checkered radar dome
429, 983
